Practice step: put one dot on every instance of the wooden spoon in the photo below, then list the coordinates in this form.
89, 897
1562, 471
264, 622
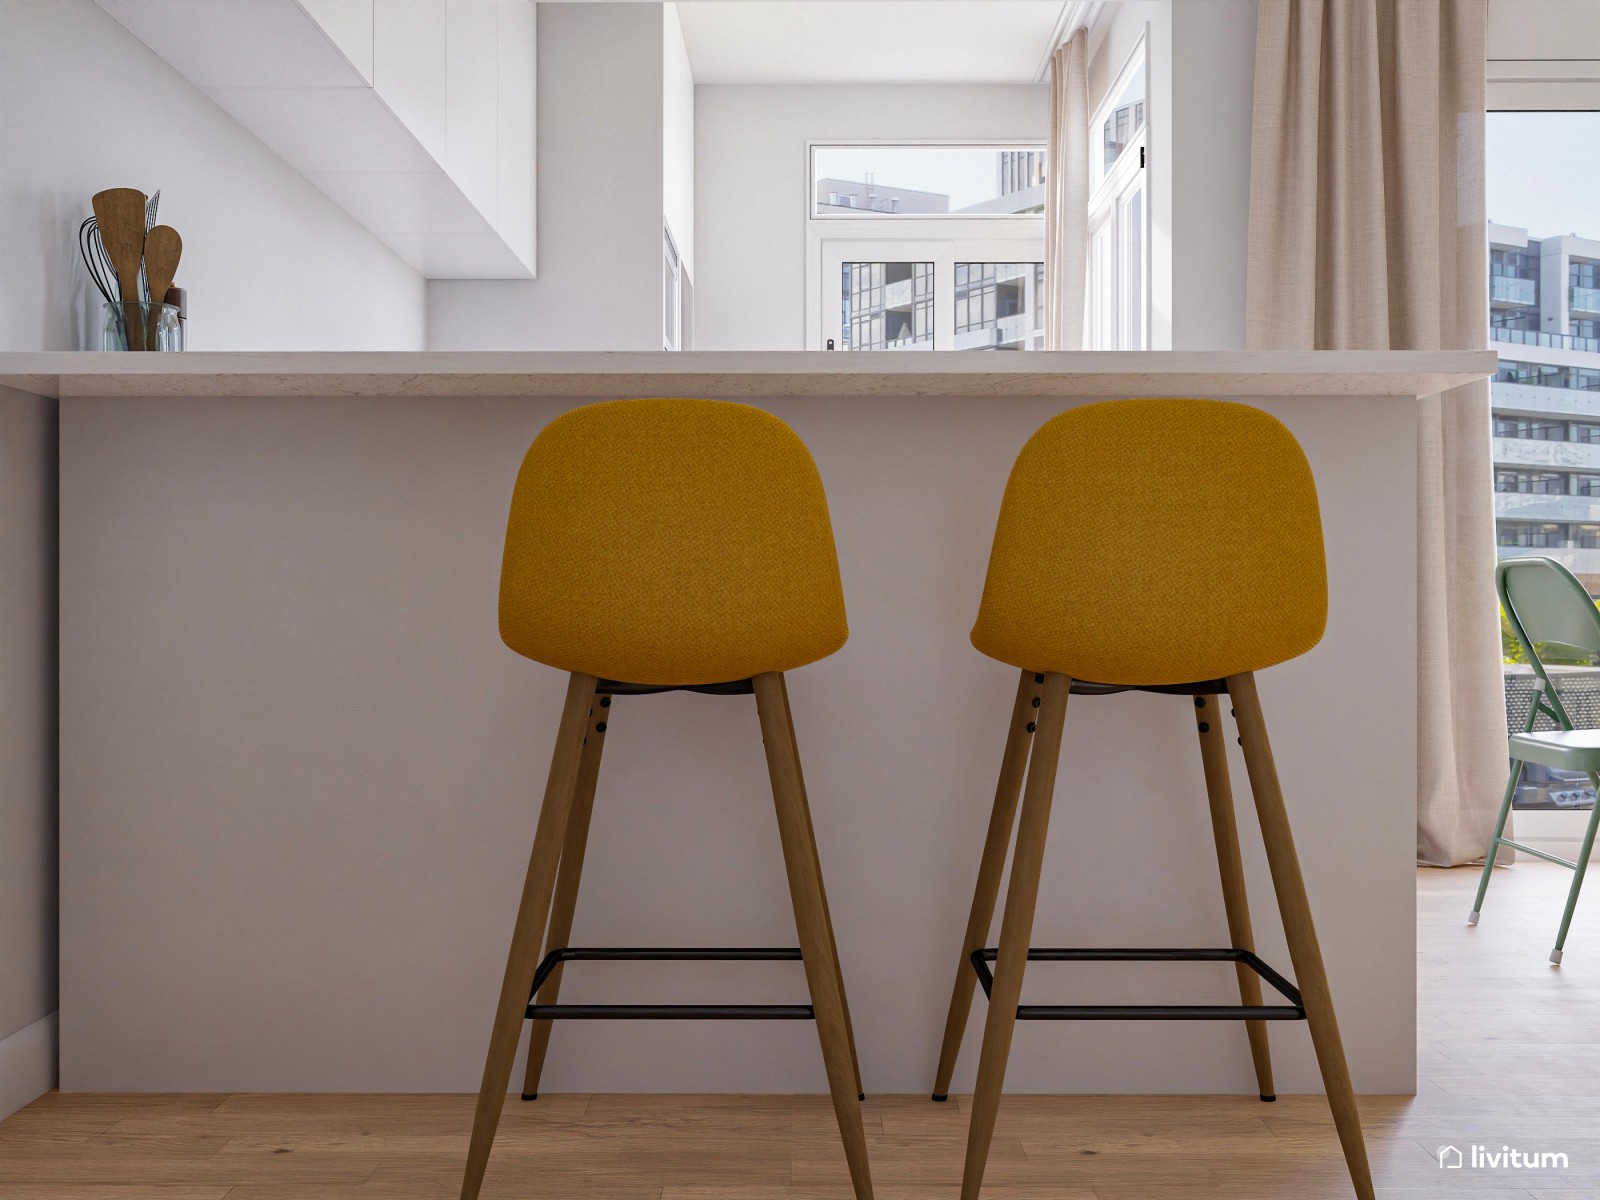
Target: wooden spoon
162, 249
119, 213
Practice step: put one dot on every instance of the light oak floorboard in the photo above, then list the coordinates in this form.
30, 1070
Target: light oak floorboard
1509, 1054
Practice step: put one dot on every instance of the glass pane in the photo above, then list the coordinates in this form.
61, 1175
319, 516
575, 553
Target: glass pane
1543, 281
909, 181
1000, 306
886, 306
1123, 123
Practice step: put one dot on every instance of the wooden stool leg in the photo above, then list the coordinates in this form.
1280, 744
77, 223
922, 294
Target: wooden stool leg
1013, 766
1304, 951
810, 917
1016, 928
571, 872
531, 915
827, 915
1225, 831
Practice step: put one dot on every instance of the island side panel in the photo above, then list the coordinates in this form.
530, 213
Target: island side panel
300, 771
28, 851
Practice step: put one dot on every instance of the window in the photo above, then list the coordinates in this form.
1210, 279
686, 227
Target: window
1530, 428
1120, 120
931, 180
1118, 287
1584, 379
1513, 288
925, 247
1526, 533
998, 306
886, 306
1513, 264
1544, 298
921, 294
1021, 170
1123, 125
1543, 482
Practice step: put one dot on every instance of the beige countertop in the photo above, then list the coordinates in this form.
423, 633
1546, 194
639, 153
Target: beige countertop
742, 374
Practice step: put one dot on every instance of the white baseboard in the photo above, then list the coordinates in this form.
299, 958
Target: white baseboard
27, 1064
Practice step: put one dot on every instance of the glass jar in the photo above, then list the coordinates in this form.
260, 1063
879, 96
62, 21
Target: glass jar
135, 325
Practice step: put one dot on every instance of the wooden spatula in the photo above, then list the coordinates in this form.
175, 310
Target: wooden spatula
119, 214
162, 249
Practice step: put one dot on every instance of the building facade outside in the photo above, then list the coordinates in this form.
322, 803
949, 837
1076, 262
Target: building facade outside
1544, 314
1544, 317
852, 197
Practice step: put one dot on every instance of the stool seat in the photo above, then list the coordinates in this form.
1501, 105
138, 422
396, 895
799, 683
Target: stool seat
670, 542
1092, 549
1565, 749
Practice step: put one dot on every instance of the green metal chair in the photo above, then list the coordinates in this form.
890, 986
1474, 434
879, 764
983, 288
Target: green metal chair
1553, 617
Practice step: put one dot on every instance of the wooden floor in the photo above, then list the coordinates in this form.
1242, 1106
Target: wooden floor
1510, 1055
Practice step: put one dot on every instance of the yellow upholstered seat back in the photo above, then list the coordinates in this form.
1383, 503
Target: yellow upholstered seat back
670, 542
1156, 542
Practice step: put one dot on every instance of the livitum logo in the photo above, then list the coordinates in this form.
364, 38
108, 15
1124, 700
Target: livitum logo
1485, 1158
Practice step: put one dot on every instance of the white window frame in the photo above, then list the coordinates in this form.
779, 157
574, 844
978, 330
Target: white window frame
908, 237
815, 144
1545, 85
1110, 322
943, 252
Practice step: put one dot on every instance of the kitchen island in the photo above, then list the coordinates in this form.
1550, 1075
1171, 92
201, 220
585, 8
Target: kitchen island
299, 771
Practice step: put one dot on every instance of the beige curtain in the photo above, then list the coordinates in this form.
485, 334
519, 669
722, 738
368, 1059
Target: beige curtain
1066, 205
1367, 232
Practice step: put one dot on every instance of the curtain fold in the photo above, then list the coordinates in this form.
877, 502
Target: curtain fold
1367, 232
1066, 205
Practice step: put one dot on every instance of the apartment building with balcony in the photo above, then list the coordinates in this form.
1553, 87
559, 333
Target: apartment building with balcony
999, 306
1544, 305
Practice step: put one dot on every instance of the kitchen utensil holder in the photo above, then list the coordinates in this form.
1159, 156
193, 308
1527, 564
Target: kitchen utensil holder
159, 323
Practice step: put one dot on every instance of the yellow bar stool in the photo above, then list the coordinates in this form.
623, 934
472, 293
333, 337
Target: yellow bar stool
1168, 546
710, 568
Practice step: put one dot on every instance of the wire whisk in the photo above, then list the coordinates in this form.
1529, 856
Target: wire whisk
96, 260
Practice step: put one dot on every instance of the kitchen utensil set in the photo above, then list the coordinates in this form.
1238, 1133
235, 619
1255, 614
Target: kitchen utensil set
122, 245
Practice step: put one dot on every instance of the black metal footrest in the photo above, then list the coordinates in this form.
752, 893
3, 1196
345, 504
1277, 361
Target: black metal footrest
1293, 1011
701, 1012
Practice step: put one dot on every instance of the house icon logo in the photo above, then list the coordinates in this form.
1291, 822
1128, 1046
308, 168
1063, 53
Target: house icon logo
1450, 1157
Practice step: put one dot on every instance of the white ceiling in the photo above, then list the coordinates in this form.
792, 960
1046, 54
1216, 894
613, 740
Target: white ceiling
869, 41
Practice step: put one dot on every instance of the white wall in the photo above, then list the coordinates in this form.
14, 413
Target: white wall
750, 176
599, 83
270, 263
677, 136
1213, 48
